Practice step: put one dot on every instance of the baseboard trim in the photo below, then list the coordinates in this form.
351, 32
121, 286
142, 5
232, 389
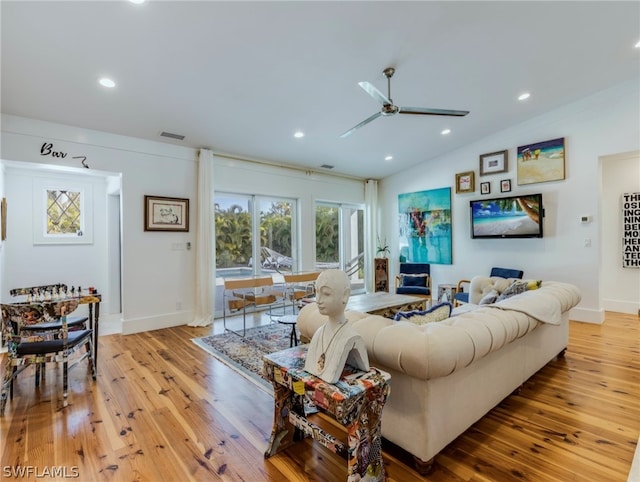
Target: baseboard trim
587, 315
138, 325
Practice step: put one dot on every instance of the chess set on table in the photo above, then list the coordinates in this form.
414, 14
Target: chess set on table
53, 292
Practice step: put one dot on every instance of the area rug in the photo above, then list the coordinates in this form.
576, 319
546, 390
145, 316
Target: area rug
244, 354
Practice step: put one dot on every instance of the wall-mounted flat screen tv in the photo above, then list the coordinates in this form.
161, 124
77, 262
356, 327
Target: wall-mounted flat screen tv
507, 217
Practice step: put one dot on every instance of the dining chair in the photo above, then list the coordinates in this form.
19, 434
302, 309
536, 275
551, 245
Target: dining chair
73, 322
41, 346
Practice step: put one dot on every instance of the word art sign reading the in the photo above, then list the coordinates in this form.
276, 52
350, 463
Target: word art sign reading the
631, 230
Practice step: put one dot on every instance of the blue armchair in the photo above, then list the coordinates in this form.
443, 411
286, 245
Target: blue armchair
462, 297
415, 280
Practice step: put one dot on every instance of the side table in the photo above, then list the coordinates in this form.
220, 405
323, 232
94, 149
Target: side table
356, 402
450, 291
290, 320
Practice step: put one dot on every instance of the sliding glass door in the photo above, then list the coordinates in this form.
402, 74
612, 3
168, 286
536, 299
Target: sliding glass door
340, 240
252, 228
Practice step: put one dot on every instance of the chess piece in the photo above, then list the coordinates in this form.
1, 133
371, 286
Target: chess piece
335, 343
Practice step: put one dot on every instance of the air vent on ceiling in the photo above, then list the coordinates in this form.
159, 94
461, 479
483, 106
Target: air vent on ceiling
327, 166
172, 135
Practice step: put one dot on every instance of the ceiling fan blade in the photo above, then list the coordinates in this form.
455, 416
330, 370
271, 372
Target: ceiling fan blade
424, 111
364, 122
375, 93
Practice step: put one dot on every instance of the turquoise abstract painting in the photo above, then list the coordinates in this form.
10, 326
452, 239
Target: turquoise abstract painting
425, 226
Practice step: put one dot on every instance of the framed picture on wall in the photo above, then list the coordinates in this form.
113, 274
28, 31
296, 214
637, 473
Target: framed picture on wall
505, 185
465, 182
485, 188
494, 162
541, 162
166, 213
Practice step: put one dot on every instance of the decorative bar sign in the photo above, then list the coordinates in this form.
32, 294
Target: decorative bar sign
631, 230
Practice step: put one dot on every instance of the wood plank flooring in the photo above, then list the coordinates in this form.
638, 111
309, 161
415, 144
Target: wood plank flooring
164, 410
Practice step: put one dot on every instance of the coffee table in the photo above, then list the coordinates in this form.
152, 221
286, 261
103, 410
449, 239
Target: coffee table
384, 304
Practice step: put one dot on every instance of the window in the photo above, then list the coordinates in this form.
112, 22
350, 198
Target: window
62, 213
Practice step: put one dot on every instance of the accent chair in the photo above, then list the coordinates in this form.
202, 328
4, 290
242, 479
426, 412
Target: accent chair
414, 279
462, 297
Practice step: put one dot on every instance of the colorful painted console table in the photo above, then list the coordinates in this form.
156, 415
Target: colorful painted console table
356, 402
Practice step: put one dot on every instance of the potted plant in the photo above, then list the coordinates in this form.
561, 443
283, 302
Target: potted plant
382, 249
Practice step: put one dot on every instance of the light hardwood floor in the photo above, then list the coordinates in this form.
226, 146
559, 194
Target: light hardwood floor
164, 410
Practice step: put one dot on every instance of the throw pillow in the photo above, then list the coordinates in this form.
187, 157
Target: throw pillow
534, 284
420, 317
489, 298
418, 280
513, 289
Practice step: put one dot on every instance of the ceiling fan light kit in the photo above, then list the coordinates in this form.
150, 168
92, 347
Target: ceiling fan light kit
388, 107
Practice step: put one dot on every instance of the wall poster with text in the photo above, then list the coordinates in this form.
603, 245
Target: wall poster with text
631, 230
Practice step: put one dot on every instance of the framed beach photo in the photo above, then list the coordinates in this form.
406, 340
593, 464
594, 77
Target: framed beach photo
505, 185
541, 162
166, 214
485, 188
494, 162
465, 182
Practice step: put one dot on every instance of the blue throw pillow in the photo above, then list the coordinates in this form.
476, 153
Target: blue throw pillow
435, 313
416, 280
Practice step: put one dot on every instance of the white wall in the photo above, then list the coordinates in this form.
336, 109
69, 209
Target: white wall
30, 264
620, 287
308, 187
155, 277
604, 124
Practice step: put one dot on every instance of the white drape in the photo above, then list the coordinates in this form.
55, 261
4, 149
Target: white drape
205, 255
371, 226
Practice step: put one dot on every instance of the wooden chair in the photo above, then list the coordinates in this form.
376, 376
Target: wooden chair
239, 294
39, 347
300, 287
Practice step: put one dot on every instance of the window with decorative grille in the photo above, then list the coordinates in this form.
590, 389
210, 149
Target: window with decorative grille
64, 212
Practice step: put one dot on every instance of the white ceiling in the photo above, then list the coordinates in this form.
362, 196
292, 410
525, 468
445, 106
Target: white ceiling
241, 77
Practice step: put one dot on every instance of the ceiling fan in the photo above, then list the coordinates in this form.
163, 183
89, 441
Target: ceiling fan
389, 109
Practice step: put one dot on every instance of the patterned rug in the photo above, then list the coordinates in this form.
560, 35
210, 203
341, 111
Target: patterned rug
244, 355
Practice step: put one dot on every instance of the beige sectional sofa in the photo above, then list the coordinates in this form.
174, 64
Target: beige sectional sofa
446, 375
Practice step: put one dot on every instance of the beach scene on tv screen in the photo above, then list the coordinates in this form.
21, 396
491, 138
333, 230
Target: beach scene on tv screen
514, 216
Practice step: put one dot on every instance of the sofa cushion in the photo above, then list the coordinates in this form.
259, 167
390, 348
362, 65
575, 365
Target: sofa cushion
414, 280
419, 317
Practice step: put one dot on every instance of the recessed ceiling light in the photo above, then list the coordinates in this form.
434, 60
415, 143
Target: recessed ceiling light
445, 132
638, 45
105, 82
298, 134
388, 158
137, 2
524, 96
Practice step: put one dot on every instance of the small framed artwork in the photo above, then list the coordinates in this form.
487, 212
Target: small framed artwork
166, 213
3, 218
485, 188
494, 162
505, 185
541, 162
465, 182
